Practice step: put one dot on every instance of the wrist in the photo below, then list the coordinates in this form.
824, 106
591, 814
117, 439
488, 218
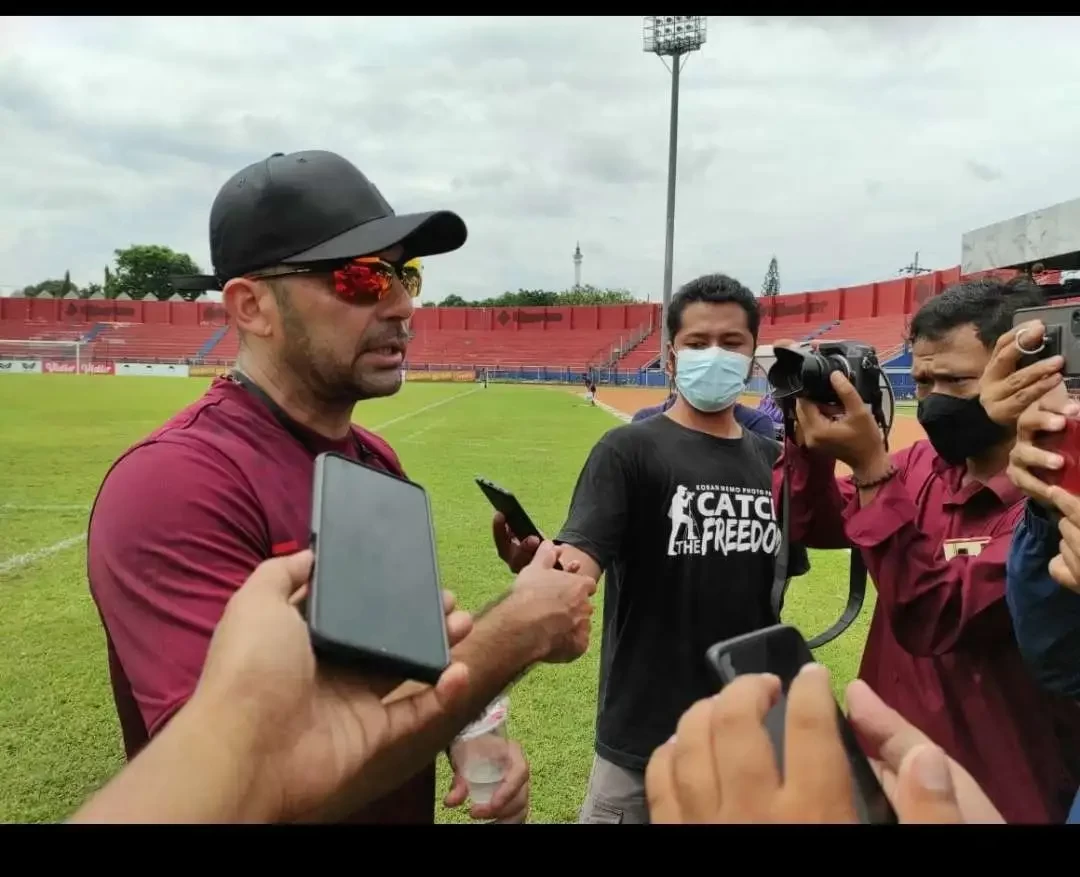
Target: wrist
873, 468
528, 620
226, 744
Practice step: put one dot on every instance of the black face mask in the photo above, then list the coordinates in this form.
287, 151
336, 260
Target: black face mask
958, 428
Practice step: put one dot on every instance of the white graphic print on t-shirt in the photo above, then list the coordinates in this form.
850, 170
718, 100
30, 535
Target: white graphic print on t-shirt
711, 518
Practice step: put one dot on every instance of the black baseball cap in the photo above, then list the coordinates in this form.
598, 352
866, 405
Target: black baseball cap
311, 207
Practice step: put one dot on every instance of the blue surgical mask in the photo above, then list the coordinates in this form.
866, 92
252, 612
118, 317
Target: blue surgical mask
712, 379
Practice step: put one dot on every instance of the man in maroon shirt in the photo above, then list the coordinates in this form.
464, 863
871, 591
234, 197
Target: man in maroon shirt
933, 523
311, 261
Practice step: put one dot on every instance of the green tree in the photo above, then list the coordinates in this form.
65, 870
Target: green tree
52, 288
771, 286
90, 290
144, 269
109, 285
527, 298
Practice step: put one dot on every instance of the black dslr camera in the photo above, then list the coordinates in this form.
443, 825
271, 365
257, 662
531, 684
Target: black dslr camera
804, 373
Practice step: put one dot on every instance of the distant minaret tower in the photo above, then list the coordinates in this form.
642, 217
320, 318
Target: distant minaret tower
577, 266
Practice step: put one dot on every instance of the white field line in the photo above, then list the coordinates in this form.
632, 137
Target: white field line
614, 412
421, 410
18, 561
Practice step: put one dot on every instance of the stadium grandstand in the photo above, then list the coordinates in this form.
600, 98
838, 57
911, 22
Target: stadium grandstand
618, 344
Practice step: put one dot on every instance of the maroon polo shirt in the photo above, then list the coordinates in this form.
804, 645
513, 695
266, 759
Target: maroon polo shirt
941, 648
180, 522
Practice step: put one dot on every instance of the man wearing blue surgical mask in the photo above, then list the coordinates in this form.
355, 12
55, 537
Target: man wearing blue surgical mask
677, 512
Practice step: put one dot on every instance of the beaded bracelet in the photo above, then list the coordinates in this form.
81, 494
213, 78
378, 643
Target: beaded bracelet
877, 482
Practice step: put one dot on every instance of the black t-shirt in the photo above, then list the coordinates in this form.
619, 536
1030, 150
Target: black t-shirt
683, 525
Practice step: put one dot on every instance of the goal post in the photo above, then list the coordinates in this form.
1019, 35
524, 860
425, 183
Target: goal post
19, 355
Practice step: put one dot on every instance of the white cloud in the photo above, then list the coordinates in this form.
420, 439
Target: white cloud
840, 145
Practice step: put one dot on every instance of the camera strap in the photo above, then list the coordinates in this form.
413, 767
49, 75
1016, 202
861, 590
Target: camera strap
856, 575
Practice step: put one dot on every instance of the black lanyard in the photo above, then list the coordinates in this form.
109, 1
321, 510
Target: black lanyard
287, 423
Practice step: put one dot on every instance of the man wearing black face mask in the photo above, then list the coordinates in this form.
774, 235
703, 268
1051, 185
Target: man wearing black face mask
934, 523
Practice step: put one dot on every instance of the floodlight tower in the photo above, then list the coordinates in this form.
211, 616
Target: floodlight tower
675, 36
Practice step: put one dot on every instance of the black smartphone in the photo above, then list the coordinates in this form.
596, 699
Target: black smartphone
782, 651
504, 501
376, 601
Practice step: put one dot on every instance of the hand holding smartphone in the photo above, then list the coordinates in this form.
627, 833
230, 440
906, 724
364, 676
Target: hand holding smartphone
376, 602
782, 651
506, 504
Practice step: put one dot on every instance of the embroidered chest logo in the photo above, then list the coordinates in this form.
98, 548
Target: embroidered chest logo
971, 547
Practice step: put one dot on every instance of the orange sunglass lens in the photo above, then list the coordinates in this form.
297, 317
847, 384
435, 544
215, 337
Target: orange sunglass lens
363, 280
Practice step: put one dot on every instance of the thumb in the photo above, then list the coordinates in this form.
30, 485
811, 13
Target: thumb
459, 791
925, 794
849, 396
281, 576
545, 556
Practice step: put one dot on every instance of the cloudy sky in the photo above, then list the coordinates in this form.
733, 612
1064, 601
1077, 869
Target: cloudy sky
840, 145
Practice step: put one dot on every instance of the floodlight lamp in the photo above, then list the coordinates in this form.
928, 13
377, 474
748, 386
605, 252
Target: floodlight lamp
673, 34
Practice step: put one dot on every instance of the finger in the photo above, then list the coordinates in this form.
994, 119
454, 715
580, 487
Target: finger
449, 601
660, 786
1005, 354
1069, 531
513, 782
693, 768
1071, 558
888, 735
1011, 403
300, 595
516, 810
1060, 573
742, 749
925, 794
546, 555
1065, 502
846, 392
1007, 351
809, 416
458, 626
459, 791
406, 715
504, 540
817, 773
1036, 419
281, 577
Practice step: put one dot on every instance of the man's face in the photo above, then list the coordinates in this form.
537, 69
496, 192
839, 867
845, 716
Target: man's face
344, 350
705, 324
951, 366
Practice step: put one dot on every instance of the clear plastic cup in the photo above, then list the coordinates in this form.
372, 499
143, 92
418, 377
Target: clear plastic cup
481, 752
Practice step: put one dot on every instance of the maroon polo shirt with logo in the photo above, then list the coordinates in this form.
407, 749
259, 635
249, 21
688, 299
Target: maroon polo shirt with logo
180, 522
941, 649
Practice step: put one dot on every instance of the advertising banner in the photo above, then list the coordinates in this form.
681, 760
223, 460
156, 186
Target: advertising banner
151, 370
68, 367
207, 371
440, 376
20, 366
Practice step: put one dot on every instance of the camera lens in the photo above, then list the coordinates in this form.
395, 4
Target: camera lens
786, 374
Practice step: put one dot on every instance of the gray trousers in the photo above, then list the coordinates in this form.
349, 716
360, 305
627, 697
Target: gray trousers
616, 796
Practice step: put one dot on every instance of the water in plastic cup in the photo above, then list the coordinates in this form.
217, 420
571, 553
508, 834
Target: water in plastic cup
481, 753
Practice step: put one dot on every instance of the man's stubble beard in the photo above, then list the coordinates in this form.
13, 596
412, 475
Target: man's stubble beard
328, 383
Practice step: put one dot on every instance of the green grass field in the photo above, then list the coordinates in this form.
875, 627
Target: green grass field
59, 739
